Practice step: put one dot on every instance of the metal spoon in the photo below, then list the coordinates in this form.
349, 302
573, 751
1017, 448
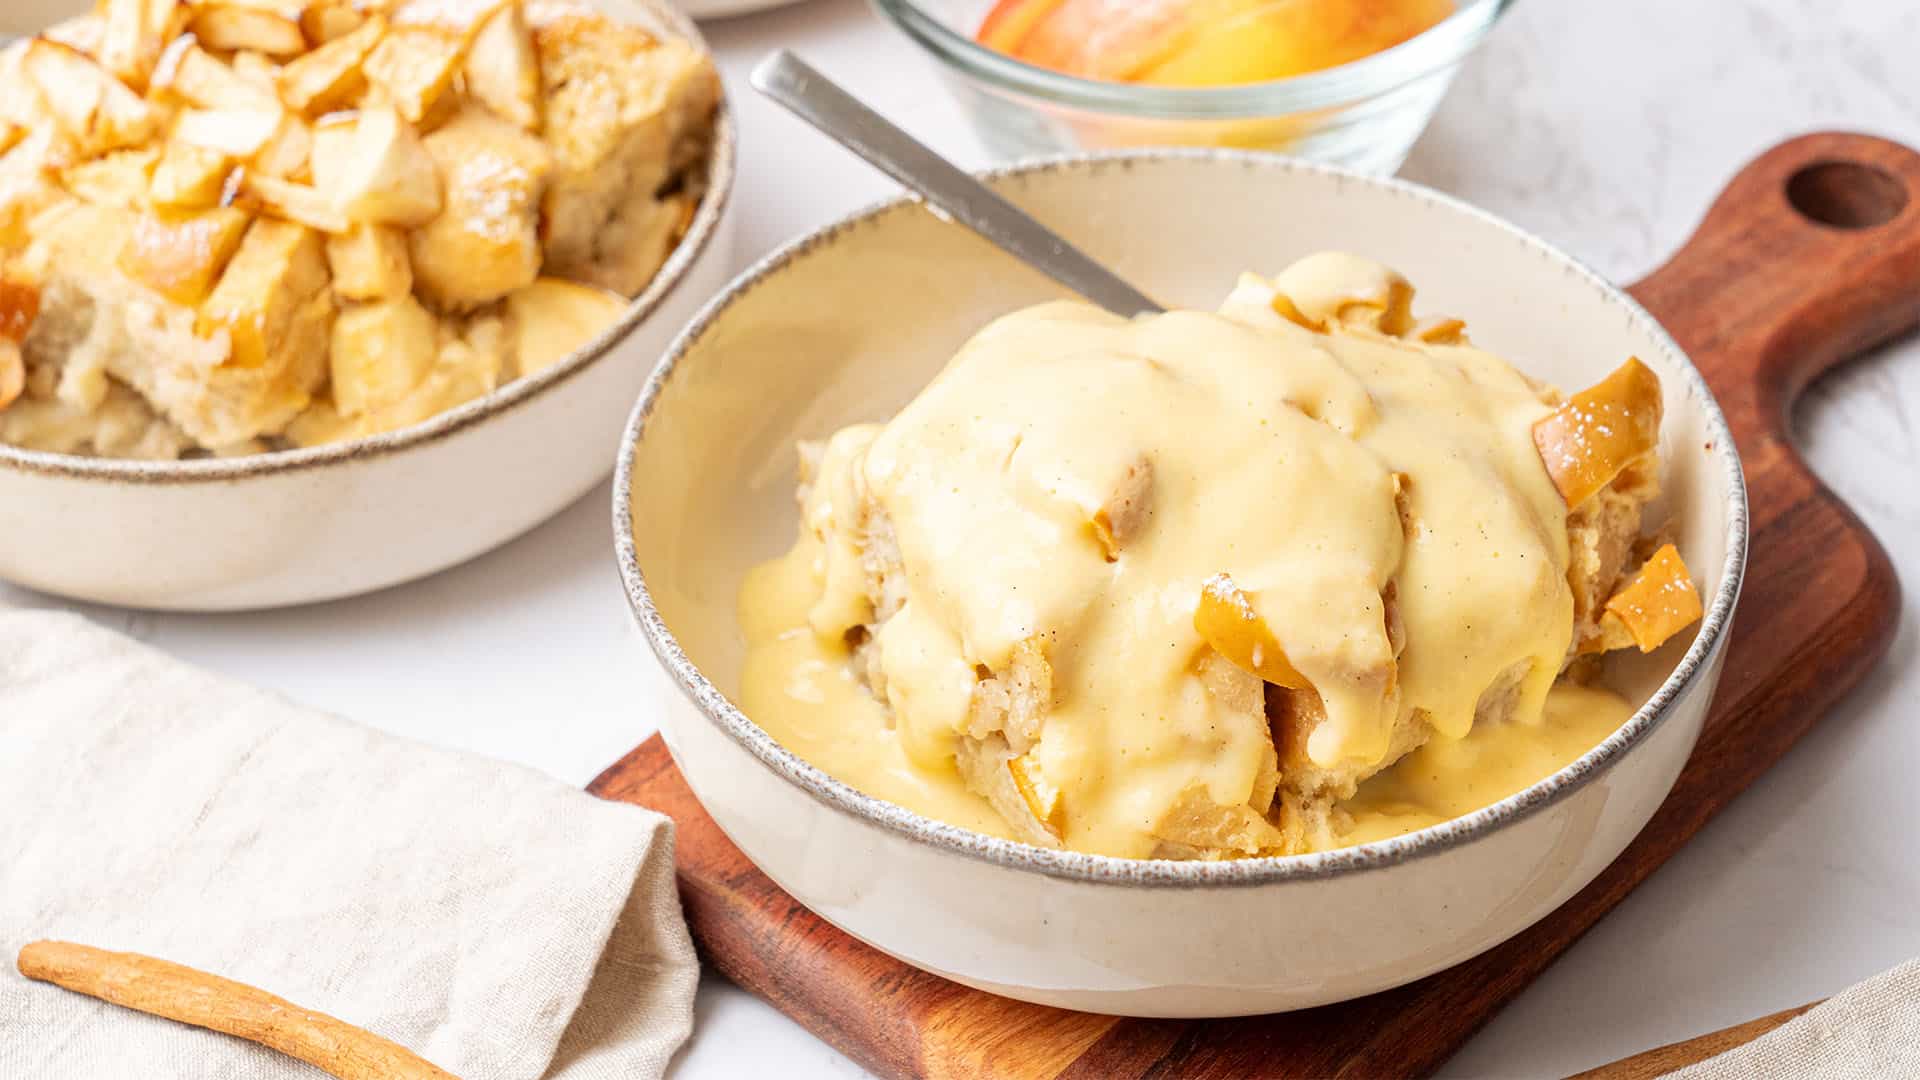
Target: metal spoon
942, 186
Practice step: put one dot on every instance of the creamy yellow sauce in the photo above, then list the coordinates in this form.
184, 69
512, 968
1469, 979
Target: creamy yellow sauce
1376, 499
798, 687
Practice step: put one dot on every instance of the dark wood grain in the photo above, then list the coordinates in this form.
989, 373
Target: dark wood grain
1764, 298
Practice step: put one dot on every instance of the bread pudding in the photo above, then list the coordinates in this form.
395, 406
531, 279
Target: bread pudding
1300, 573
229, 226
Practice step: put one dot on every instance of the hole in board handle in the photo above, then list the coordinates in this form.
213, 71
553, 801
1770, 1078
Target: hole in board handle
1846, 194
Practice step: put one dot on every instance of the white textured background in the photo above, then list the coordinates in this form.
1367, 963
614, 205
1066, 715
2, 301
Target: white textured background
1604, 127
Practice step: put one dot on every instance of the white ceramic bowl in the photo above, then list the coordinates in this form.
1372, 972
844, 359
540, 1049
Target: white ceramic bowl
846, 324
315, 524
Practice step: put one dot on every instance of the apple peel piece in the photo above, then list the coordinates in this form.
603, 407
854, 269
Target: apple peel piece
1658, 603
1226, 620
1043, 799
1600, 432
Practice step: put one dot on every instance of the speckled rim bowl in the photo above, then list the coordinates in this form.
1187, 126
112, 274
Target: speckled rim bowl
202, 525
732, 764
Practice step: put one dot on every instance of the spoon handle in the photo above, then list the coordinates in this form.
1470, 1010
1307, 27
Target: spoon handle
944, 188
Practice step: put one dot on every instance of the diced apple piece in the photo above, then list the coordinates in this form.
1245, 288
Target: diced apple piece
189, 176
296, 202
485, 242
285, 155
88, 103
197, 77
27, 183
133, 34
551, 318
10, 135
370, 262
1600, 432
332, 149
181, 254
325, 20
19, 306
267, 26
413, 68
502, 71
1659, 602
380, 352
1043, 798
1440, 330
329, 77
116, 179
238, 133
1334, 287
259, 71
263, 299
380, 173
1125, 513
1226, 620
13, 373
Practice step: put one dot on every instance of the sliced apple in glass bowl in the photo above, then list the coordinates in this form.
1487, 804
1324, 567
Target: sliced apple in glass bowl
1349, 82
1202, 42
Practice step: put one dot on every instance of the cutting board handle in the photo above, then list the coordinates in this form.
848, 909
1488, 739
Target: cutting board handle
1810, 256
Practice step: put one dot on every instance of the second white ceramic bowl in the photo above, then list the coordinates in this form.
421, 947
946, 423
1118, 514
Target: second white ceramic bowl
287, 528
848, 323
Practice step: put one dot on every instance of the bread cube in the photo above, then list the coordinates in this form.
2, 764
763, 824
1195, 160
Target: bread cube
624, 112
485, 242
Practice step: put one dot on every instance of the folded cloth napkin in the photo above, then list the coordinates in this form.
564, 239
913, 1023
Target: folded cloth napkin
1870, 1029
491, 920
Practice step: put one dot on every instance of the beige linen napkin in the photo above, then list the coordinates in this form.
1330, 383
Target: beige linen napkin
490, 919
1869, 1030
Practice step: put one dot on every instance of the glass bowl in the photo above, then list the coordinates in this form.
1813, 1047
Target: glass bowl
1364, 115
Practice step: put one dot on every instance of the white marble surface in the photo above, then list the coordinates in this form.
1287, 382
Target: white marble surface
1605, 128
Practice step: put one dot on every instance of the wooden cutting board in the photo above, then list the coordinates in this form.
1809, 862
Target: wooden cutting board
1810, 256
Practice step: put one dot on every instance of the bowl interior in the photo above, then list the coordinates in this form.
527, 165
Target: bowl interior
848, 324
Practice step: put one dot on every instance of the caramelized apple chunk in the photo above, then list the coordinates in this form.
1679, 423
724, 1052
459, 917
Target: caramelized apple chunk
133, 35
1125, 512
180, 254
381, 351
370, 262
19, 306
378, 170
1043, 799
92, 107
1601, 432
330, 76
189, 176
502, 71
263, 299
413, 67
1226, 620
1659, 602
267, 26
